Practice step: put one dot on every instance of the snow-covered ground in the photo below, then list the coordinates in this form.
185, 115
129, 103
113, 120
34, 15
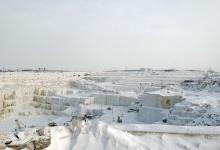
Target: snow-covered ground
183, 102
102, 136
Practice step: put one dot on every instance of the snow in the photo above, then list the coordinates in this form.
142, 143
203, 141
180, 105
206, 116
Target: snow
101, 136
36, 99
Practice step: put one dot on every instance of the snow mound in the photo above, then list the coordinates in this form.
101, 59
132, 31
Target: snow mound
100, 136
97, 136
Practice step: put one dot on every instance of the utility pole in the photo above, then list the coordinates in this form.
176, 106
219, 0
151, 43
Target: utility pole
113, 114
101, 108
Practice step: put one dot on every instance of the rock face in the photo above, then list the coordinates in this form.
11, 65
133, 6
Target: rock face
28, 138
3, 139
42, 142
159, 101
37, 143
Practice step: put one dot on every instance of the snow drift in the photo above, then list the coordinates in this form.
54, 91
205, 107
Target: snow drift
97, 136
100, 136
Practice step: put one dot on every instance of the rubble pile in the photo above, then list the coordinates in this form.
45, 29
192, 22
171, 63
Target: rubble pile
207, 120
208, 82
3, 139
28, 139
192, 115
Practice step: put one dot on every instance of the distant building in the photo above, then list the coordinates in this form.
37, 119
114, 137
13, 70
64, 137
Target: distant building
135, 70
27, 70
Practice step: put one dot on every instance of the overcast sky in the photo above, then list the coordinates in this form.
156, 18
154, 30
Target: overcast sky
110, 34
